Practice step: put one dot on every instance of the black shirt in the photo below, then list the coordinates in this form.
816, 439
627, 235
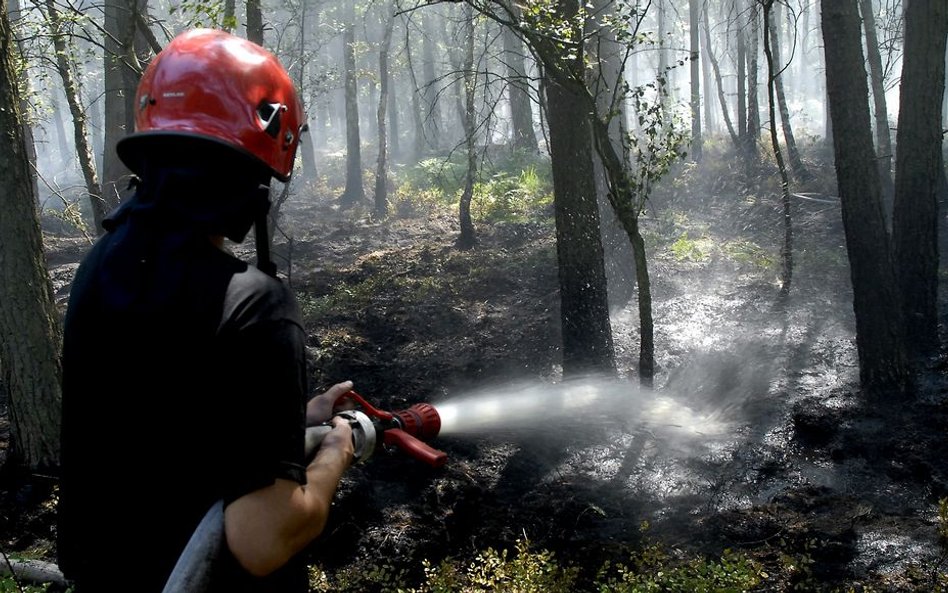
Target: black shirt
183, 383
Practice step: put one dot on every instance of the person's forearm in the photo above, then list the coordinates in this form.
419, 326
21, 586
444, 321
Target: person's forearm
267, 527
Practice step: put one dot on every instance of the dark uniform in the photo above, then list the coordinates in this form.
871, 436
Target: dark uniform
183, 383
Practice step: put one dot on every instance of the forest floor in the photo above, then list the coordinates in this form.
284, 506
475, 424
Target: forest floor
763, 445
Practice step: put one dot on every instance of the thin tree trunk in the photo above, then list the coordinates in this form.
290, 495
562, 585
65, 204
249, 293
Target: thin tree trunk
696, 141
395, 148
13, 12
433, 108
381, 171
778, 68
879, 337
254, 22
722, 99
786, 251
29, 335
753, 103
467, 238
518, 93
919, 170
710, 121
354, 192
416, 108
119, 121
81, 133
741, 79
883, 137
307, 146
230, 15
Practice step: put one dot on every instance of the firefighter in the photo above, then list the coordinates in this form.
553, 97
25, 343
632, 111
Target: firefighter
184, 376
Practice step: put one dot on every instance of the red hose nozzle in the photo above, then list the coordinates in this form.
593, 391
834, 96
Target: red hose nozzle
420, 420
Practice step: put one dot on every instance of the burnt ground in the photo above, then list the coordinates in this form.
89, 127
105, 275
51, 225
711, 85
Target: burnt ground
825, 486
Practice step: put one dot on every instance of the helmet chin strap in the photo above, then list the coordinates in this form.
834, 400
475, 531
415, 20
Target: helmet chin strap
261, 236
264, 263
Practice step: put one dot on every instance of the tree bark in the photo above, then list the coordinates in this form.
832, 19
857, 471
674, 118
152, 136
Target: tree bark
753, 103
786, 251
394, 144
696, 141
354, 192
13, 12
883, 138
467, 238
741, 79
433, 109
418, 117
777, 70
381, 171
29, 328
879, 337
254, 22
919, 168
121, 80
722, 99
230, 15
518, 94
80, 130
584, 308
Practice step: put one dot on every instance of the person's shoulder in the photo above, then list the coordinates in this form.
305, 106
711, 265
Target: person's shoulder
253, 297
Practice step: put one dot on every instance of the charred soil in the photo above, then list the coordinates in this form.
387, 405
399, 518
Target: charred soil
825, 486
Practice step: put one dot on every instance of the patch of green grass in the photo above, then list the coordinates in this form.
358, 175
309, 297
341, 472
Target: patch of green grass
749, 253
687, 249
512, 198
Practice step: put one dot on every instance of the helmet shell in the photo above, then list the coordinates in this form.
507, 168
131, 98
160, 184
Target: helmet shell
211, 85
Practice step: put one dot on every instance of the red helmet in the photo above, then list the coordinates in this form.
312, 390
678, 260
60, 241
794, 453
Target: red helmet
212, 85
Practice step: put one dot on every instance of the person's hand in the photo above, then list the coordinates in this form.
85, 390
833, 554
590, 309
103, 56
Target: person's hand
320, 408
340, 440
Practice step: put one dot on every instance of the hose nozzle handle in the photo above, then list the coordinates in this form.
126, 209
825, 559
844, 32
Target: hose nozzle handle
414, 447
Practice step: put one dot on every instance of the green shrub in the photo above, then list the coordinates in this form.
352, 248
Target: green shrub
491, 571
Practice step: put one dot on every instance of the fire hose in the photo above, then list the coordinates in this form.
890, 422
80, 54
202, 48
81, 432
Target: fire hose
372, 429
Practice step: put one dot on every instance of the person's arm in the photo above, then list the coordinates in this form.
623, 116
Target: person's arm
267, 527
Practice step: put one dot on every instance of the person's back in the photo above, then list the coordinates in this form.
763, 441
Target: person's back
171, 344
184, 376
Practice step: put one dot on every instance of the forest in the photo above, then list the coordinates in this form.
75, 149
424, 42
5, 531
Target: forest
670, 271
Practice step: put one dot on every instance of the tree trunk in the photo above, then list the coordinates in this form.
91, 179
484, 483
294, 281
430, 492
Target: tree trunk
710, 121
307, 148
722, 99
418, 117
120, 85
518, 94
254, 22
354, 192
753, 104
777, 69
433, 110
786, 251
609, 88
883, 138
394, 145
230, 15
13, 12
663, 68
468, 238
696, 142
918, 170
81, 133
584, 308
381, 171
879, 337
29, 335
742, 131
